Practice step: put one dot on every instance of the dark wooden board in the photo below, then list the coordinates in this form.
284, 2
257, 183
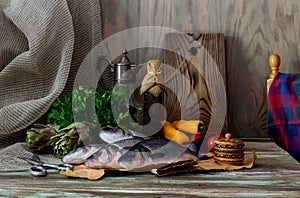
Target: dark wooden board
199, 87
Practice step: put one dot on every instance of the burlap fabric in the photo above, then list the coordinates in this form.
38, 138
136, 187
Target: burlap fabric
153, 80
42, 44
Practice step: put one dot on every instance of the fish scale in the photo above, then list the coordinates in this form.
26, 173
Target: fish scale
154, 153
113, 151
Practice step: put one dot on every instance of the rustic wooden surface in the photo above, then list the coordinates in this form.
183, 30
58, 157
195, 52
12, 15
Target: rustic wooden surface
253, 30
275, 174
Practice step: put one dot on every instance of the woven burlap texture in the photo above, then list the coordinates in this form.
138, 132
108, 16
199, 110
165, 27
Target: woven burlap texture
42, 44
153, 80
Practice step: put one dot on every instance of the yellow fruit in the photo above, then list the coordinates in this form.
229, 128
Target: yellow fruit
190, 126
171, 133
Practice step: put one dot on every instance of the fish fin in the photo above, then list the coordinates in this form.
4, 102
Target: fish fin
135, 133
126, 148
144, 149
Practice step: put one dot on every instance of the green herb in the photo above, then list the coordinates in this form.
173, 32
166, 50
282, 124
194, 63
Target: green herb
90, 106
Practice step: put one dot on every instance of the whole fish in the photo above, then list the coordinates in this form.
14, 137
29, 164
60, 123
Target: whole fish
154, 153
115, 134
110, 135
79, 155
108, 155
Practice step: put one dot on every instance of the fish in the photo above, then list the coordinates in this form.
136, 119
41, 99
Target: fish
79, 155
154, 153
115, 134
107, 156
110, 135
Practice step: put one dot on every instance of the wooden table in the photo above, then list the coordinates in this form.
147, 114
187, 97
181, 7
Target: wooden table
275, 174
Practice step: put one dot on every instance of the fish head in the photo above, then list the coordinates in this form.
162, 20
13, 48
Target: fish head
72, 156
77, 156
102, 157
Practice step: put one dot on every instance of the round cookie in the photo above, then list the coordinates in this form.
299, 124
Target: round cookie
229, 151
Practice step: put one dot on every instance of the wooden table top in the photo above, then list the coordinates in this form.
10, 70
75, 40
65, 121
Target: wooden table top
275, 174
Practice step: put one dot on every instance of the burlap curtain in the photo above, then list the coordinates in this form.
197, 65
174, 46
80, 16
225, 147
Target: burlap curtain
42, 44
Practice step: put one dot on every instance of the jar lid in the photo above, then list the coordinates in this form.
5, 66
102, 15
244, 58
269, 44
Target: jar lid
229, 143
124, 59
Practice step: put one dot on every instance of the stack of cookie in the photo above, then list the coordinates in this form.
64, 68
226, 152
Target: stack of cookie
229, 151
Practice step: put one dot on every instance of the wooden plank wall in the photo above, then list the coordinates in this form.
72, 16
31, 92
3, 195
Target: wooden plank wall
253, 30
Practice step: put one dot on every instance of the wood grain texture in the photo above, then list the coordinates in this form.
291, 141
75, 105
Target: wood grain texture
253, 30
198, 89
275, 174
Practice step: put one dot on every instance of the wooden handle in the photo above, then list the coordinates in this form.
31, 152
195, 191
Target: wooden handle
274, 62
228, 136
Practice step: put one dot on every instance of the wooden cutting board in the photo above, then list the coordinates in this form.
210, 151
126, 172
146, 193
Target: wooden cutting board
201, 84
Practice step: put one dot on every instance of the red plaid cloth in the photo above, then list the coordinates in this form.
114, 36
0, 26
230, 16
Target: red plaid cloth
283, 117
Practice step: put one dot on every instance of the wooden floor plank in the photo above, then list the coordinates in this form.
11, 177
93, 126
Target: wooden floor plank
275, 174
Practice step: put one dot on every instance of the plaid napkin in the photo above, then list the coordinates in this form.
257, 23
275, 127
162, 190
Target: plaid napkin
283, 117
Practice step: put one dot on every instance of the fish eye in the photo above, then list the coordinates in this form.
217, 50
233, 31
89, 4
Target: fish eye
85, 150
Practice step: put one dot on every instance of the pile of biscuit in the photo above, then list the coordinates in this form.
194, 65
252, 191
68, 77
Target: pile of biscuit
228, 151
